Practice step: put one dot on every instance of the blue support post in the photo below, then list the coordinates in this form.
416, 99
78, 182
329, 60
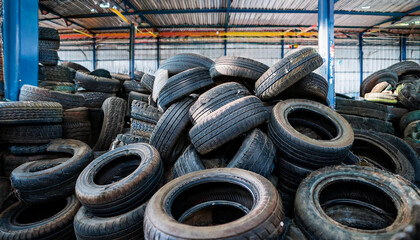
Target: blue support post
403, 48
282, 47
94, 53
20, 45
131, 50
361, 56
158, 51
326, 44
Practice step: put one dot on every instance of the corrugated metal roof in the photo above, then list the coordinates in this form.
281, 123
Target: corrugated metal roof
272, 19
376, 5
157, 4
189, 19
275, 4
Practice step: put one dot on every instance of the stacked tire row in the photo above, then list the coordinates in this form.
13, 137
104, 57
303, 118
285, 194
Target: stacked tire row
274, 165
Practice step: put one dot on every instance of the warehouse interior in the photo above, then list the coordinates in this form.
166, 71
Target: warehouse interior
210, 119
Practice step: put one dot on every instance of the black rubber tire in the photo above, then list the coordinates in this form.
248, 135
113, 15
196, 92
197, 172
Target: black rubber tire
31, 134
286, 72
301, 149
58, 74
188, 162
169, 130
161, 78
64, 87
395, 113
184, 61
41, 181
256, 154
135, 86
374, 151
142, 111
49, 44
216, 98
89, 82
46, 33
372, 124
94, 99
142, 129
128, 225
5, 190
409, 96
41, 73
405, 68
183, 84
127, 138
138, 75
238, 67
28, 149
384, 75
30, 112
227, 123
39, 223
121, 77
101, 73
113, 110
78, 130
362, 108
312, 86
75, 66
120, 180
135, 96
393, 195
261, 219
147, 81
31, 93
409, 118
48, 57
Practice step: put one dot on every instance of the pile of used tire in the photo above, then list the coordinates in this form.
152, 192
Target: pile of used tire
224, 149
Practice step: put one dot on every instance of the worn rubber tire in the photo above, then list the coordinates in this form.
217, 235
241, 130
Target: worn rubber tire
135, 86
384, 75
382, 86
372, 124
184, 61
31, 93
121, 76
78, 130
89, 82
395, 113
161, 78
405, 68
113, 110
312, 86
76, 114
94, 99
48, 57
31, 134
46, 33
28, 149
135, 96
409, 118
400, 194
57, 226
147, 81
75, 66
263, 221
101, 73
104, 192
41, 181
141, 128
64, 87
171, 127
49, 44
30, 112
188, 162
58, 73
216, 98
142, 111
384, 98
301, 149
409, 96
362, 108
183, 84
286, 72
237, 67
128, 225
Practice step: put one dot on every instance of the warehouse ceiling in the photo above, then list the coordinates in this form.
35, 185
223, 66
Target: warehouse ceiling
160, 16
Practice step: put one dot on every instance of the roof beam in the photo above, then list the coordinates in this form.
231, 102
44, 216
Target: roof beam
130, 5
47, 9
227, 15
394, 19
233, 10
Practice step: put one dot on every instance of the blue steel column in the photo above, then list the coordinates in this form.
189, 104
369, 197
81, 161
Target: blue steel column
282, 47
94, 53
20, 45
158, 51
361, 56
403, 48
326, 44
131, 49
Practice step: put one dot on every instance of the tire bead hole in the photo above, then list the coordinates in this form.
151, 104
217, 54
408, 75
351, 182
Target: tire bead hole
39, 212
312, 124
211, 204
358, 205
117, 169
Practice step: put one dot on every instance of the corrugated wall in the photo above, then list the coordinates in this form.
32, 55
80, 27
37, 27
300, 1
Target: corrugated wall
378, 54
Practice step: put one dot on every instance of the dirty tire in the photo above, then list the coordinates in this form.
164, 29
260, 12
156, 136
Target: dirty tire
135, 96
227, 122
49, 44
161, 78
216, 98
121, 76
141, 128
184, 61
94, 99
142, 111
28, 149
135, 86
362, 108
30, 112
78, 130
405, 68
147, 81
76, 114
75, 66
395, 113
366, 123
237, 67
183, 84
40, 181
101, 73
64, 87
409, 96
312, 86
46, 33
167, 208
286, 72
108, 187
128, 138
31, 93
48, 57
394, 196
31, 134
59, 225
170, 129
409, 118
89, 82
113, 110
384, 75
188, 162
128, 225
58, 74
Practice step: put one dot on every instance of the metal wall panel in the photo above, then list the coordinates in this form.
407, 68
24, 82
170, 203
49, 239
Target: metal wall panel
413, 51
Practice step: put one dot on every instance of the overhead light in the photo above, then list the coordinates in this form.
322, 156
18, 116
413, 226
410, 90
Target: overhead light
365, 7
92, 10
104, 5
